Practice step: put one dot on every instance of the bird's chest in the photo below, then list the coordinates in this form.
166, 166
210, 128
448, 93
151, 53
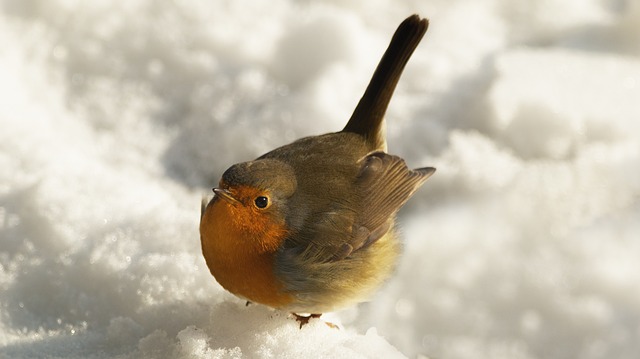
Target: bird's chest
235, 264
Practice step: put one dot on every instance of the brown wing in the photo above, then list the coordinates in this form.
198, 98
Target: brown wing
382, 186
384, 183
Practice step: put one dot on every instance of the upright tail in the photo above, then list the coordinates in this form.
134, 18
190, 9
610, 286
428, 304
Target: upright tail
367, 118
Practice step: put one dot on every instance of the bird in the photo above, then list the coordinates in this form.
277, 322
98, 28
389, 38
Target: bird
310, 227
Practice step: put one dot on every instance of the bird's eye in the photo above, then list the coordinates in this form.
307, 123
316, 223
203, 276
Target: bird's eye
261, 202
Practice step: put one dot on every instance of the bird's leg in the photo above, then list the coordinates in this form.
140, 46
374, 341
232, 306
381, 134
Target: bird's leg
247, 303
305, 319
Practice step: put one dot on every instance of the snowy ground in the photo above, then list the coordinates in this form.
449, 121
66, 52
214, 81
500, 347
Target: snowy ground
116, 117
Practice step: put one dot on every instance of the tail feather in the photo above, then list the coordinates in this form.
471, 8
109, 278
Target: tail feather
367, 118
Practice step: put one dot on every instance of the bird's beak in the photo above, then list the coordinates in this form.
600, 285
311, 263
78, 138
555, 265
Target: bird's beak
226, 195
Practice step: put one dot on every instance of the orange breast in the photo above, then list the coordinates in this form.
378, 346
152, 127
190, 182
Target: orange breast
237, 260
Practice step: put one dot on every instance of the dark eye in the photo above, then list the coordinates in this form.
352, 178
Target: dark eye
261, 202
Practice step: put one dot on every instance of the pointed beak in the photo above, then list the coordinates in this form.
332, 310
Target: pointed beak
226, 195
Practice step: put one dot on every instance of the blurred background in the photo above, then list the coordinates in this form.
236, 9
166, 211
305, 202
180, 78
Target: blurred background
117, 117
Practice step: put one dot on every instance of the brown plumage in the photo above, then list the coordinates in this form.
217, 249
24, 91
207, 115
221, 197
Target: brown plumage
309, 226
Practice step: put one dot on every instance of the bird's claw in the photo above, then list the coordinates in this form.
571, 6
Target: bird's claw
304, 319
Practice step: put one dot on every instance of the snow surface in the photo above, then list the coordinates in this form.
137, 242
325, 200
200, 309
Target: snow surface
117, 117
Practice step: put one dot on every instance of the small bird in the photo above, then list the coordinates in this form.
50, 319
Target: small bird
309, 227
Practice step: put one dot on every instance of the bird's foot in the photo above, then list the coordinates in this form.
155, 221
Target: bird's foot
304, 319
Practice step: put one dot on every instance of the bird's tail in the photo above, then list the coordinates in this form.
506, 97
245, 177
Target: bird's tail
367, 118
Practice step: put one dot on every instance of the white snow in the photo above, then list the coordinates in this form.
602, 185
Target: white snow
117, 117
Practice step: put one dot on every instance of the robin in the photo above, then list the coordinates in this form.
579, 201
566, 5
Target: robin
310, 226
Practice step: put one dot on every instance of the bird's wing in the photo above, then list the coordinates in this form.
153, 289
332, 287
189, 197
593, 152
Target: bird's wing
385, 183
382, 185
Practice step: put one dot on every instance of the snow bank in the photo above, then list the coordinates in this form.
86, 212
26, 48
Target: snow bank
116, 118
